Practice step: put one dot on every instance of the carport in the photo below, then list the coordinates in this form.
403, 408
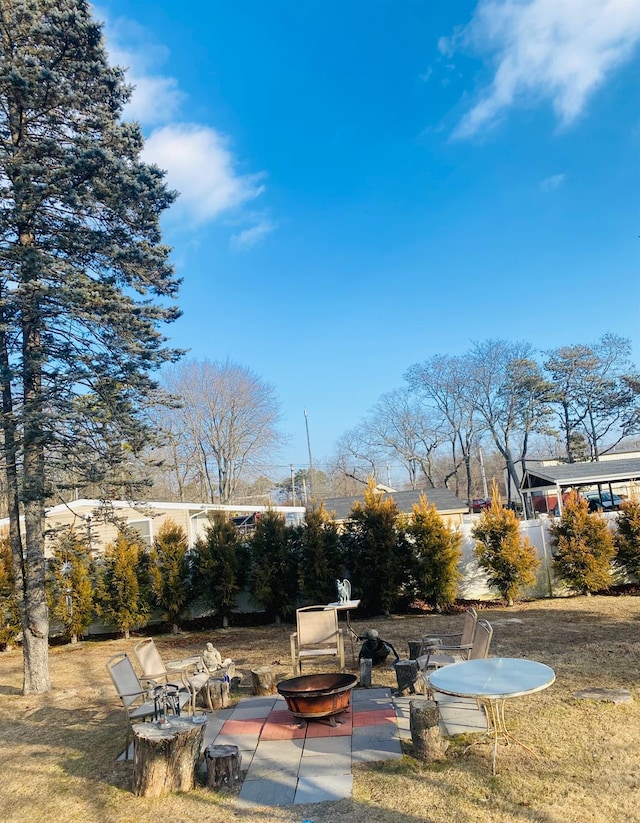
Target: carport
543, 487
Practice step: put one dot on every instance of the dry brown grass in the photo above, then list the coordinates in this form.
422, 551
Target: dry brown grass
58, 754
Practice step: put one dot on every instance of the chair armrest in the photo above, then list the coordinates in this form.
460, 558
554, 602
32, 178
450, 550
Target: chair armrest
162, 679
426, 637
143, 693
457, 647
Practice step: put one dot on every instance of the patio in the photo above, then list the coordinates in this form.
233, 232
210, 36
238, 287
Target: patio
287, 763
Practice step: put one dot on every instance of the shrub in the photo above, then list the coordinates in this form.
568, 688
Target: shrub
122, 593
10, 625
320, 555
627, 540
377, 552
70, 583
220, 565
509, 559
168, 568
273, 580
584, 547
438, 554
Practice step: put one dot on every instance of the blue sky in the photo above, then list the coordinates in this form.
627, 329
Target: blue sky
365, 184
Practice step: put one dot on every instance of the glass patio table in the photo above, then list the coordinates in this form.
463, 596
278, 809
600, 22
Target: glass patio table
492, 681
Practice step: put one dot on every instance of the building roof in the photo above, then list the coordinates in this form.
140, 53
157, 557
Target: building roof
445, 502
582, 474
165, 506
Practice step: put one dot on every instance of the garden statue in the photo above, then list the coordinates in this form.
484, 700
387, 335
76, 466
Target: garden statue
212, 658
344, 591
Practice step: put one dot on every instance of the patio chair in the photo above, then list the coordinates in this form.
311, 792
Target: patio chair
317, 635
190, 674
479, 649
457, 641
139, 699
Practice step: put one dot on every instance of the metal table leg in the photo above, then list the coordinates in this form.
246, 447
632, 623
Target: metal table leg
497, 729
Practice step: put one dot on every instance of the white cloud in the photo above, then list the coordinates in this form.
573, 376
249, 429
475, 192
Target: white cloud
553, 182
557, 50
197, 158
247, 238
201, 167
155, 99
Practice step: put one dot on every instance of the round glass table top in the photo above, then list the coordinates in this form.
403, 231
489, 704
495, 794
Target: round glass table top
492, 677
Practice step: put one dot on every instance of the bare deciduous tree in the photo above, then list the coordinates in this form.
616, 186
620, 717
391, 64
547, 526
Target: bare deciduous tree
594, 394
511, 396
225, 425
407, 432
442, 385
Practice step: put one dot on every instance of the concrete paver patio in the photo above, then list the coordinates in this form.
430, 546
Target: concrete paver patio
289, 764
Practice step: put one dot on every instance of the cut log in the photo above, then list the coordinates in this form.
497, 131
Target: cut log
406, 674
223, 766
263, 680
218, 694
164, 760
415, 648
365, 672
424, 721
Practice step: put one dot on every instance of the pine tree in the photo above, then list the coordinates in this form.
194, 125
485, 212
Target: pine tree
274, 565
584, 547
70, 583
627, 538
438, 554
220, 565
81, 263
321, 557
123, 601
168, 570
378, 555
509, 559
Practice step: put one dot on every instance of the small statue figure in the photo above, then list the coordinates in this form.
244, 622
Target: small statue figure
344, 591
212, 657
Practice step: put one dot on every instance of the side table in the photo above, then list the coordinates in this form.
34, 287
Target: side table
346, 607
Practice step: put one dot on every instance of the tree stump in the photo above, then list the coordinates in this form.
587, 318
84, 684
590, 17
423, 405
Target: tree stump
415, 648
365, 672
164, 760
407, 675
424, 721
223, 766
263, 680
218, 694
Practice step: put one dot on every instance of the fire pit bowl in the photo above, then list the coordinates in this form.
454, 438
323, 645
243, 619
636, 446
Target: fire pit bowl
317, 695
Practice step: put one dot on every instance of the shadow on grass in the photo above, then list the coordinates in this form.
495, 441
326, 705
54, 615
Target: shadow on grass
10, 690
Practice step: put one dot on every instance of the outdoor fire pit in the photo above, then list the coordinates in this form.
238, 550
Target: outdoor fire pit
314, 696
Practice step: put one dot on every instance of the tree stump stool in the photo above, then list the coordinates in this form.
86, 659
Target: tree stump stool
263, 680
218, 694
365, 672
165, 759
424, 721
223, 766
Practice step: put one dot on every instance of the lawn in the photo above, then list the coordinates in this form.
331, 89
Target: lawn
58, 754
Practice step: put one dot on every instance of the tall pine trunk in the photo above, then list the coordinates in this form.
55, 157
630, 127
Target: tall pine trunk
36, 628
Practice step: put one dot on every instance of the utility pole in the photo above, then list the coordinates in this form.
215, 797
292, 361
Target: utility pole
306, 423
